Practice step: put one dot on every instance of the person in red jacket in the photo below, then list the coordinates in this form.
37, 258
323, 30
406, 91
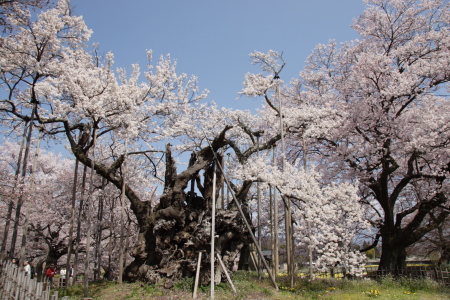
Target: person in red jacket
51, 271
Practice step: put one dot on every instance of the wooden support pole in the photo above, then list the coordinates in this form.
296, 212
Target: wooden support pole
258, 266
89, 213
275, 255
238, 204
197, 274
213, 228
226, 273
272, 278
122, 214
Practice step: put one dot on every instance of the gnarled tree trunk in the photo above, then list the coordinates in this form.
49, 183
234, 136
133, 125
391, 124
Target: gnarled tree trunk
175, 230
172, 232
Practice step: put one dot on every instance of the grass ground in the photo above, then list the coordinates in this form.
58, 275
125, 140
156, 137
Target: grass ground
249, 287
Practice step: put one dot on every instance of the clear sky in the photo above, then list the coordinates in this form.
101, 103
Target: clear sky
212, 39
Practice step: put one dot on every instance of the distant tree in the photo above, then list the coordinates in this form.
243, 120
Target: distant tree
50, 209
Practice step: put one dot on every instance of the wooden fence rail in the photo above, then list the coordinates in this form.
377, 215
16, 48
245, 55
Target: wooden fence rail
14, 284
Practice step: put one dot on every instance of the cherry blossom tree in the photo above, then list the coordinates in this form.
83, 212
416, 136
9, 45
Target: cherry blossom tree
48, 201
351, 107
48, 240
333, 212
28, 55
78, 95
326, 214
390, 91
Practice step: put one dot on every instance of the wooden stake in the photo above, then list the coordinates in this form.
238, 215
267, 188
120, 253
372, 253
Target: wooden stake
226, 273
197, 274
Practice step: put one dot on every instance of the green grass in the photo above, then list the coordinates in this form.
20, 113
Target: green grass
249, 287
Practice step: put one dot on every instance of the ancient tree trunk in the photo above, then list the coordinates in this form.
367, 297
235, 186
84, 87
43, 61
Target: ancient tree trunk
393, 253
173, 231
445, 255
397, 237
171, 235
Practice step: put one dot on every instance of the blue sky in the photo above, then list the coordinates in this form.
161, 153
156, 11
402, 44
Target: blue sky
212, 39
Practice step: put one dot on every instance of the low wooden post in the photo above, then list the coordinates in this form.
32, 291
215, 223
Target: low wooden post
197, 274
54, 296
